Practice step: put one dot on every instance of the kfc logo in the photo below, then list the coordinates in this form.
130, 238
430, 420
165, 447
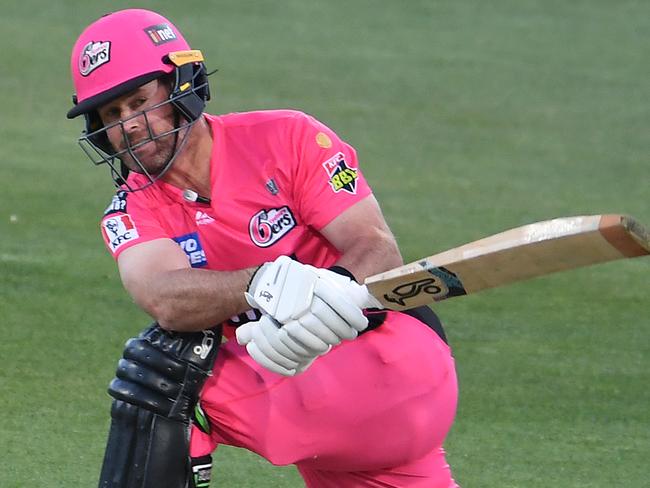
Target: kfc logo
269, 226
118, 231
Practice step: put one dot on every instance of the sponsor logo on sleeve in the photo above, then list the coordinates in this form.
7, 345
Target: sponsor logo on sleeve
323, 140
267, 227
160, 34
93, 55
191, 244
341, 176
119, 230
118, 204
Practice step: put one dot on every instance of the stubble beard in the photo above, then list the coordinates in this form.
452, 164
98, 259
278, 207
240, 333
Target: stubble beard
157, 154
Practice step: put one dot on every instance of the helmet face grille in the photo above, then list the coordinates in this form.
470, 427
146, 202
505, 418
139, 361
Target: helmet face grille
188, 97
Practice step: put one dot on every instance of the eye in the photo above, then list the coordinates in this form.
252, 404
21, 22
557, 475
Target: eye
110, 114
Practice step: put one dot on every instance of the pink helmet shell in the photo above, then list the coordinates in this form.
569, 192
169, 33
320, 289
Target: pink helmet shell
119, 52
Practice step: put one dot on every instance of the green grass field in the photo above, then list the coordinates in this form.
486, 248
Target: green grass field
469, 117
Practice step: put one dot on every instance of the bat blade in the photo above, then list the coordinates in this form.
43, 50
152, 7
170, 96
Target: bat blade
517, 254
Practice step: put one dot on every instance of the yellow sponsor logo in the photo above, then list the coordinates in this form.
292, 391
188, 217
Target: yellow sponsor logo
323, 140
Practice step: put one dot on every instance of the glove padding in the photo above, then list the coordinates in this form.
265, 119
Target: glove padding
308, 310
268, 343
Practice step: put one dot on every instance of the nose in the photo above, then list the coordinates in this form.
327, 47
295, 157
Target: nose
132, 121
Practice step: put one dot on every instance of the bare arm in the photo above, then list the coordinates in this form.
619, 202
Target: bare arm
363, 237
158, 276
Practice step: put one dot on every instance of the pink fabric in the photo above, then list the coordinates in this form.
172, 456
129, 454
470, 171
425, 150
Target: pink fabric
249, 150
372, 412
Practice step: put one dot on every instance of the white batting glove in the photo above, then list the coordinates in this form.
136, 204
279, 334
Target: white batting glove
285, 289
357, 293
282, 288
316, 307
264, 344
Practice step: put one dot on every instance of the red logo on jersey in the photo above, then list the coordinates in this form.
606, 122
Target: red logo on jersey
119, 230
269, 226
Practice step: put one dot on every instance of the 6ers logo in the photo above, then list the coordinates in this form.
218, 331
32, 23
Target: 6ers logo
93, 55
269, 226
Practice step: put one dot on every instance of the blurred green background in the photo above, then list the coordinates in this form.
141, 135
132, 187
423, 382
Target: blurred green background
469, 117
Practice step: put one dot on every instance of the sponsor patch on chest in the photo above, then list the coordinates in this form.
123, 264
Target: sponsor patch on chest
268, 226
118, 230
191, 244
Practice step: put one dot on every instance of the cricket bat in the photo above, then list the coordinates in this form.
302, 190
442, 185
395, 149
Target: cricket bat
517, 254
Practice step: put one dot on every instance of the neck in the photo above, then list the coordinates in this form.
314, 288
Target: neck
192, 168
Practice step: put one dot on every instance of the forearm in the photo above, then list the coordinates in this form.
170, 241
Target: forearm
371, 254
194, 299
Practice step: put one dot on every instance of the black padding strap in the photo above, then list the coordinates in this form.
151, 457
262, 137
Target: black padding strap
429, 317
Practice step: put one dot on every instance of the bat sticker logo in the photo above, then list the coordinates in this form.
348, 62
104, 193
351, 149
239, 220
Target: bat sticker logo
430, 286
442, 284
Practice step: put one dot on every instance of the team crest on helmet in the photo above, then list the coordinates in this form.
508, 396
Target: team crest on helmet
341, 176
93, 55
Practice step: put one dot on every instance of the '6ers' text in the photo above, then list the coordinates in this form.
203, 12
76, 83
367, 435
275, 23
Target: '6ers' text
267, 227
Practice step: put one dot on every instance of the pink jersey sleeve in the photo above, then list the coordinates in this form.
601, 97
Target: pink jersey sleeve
327, 180
126, 223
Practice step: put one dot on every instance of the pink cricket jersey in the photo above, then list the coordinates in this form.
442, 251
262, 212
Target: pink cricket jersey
277, 178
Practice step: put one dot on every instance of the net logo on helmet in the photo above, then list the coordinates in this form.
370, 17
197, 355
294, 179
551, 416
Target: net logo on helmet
93, 55
160, 34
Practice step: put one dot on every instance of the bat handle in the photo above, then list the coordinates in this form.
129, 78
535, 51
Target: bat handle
364, 299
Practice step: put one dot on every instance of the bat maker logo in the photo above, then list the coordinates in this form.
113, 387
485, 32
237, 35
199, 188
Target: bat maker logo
267, 227
93, 55
443, 284
119, 230
342, 177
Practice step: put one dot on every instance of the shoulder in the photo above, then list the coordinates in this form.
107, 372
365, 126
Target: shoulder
126, 202
262, 119
118, 203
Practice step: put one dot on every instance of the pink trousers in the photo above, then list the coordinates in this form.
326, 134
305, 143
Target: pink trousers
373, 412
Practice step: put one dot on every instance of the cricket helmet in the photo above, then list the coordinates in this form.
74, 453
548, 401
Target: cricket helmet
122, 51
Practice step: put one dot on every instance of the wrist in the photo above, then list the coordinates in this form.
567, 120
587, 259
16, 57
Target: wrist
343, 272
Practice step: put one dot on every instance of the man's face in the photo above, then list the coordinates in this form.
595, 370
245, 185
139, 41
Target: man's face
136, 129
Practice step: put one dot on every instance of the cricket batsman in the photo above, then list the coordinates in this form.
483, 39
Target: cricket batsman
257, 226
